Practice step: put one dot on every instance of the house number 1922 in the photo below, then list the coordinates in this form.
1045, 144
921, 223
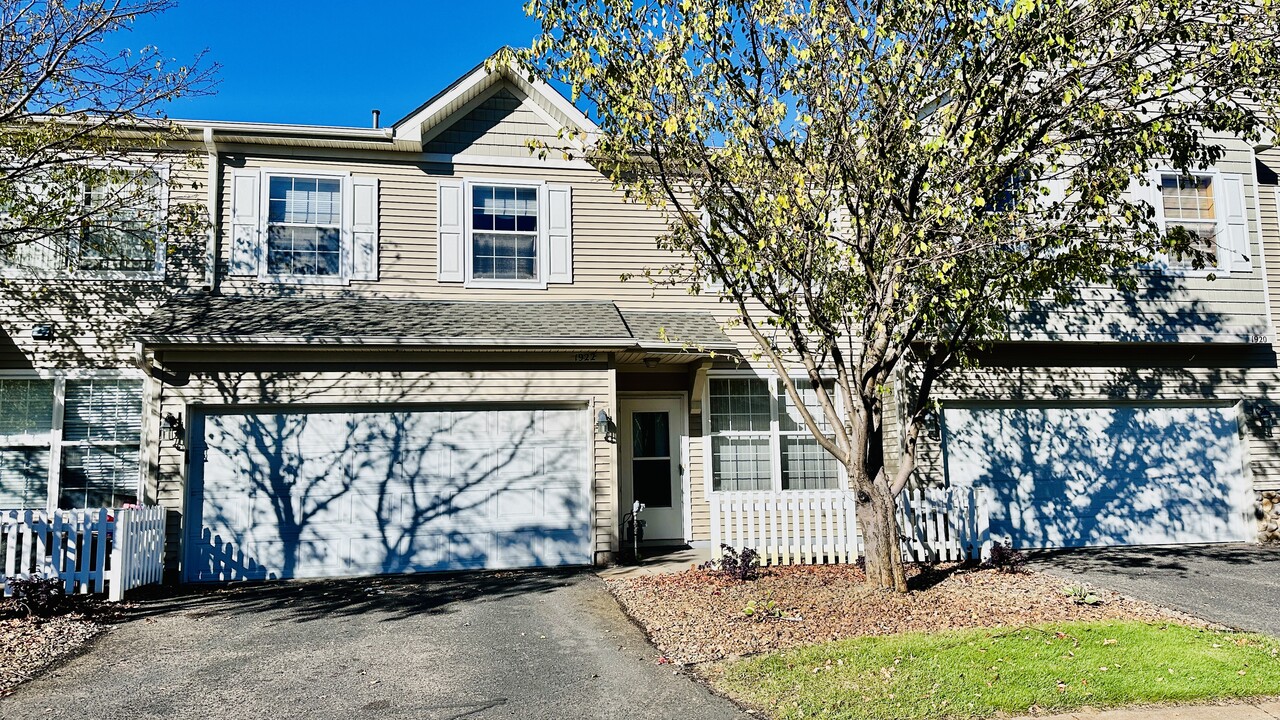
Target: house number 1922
585, 357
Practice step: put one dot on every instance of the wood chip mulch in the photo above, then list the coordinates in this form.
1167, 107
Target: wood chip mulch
29, 645
698, 615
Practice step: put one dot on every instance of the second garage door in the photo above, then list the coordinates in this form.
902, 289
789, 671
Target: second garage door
1069, 476
284, 494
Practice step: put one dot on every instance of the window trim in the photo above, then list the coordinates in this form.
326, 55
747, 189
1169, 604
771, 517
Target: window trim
1161, 263
55, 442
775, 434
264, 224
155, 274
543, 246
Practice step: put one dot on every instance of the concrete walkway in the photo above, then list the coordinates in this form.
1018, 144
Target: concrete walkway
660, 562
1269, 710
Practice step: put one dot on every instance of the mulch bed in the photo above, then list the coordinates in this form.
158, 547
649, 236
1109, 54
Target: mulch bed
698, 615
28, 645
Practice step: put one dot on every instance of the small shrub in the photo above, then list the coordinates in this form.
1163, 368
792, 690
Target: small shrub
39, 595
740, 565
1081, 595
1007, 560
763, 609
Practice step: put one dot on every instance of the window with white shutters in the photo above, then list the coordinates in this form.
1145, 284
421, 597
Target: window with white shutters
305, 227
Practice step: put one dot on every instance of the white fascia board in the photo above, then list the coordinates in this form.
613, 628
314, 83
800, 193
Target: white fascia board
599, 343
412, 127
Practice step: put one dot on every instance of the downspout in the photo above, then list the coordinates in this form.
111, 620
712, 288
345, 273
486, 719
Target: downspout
215, 185
1258, 149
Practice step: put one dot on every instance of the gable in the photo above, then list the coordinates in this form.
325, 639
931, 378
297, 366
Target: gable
499, 125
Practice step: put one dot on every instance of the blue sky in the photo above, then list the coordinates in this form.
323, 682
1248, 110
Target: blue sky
329, 62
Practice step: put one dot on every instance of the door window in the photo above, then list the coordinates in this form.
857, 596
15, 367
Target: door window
651, 458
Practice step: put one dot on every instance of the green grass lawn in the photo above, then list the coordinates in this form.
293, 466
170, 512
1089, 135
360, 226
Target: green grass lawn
978, 673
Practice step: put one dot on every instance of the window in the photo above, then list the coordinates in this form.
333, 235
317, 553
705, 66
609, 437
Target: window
504, 232
1189, 203
122, 231
304, 226
760, 443
97, 436
26, 431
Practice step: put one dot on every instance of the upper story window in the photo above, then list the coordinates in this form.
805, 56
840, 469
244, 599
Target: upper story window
1190, 203
121, 232
504, 233
304, 226
759, 441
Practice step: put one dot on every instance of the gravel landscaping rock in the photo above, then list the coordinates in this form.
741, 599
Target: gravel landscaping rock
699, 616
29, 645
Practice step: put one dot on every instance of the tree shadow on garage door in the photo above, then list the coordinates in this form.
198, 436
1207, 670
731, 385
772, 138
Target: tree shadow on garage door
395, 597
338, 491
1103, 473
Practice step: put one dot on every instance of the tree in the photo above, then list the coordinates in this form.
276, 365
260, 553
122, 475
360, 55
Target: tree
879, 185
79, 127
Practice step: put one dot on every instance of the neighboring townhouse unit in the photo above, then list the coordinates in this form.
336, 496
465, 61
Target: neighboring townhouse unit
412, 348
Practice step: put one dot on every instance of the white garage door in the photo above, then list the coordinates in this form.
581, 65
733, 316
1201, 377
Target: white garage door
276, 494
1097, 476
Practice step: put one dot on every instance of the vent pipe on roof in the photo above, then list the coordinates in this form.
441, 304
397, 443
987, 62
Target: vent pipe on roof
376, 113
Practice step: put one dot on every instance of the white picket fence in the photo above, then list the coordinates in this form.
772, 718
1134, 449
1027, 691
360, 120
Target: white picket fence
789, 528
945, 524
820, 526
98, 551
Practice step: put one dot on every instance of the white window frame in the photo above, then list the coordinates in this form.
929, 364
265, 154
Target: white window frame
264, 224
775, 434
543, 243
155, 274
1162, 262
55, 443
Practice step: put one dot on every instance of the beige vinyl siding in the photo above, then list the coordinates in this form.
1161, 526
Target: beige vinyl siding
1267, 168
1190, 308
92, 317
501, 125
699, 508
473, 383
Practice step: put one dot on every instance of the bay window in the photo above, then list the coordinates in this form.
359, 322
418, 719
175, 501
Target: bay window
758, 441
69, 442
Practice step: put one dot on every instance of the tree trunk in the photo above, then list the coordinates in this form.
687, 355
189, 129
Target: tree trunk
877, 518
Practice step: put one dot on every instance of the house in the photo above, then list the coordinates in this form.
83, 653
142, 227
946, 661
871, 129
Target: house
411, 348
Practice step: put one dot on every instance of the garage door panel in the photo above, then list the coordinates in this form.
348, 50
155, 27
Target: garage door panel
1116, 475
331, 493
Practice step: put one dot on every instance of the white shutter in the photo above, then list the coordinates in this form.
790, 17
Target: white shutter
246, 235
714, 285
560, 233
1234, 246
451, 230
364, 228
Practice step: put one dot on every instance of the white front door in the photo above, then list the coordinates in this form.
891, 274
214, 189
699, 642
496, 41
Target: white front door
649, 435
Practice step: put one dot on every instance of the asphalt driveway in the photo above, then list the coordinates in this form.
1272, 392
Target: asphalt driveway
1235, 585
507, 645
